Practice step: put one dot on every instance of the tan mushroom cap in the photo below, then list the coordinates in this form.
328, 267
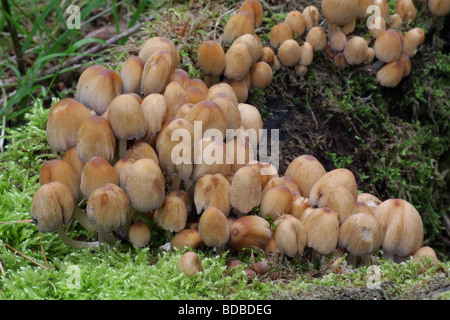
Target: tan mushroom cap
108, 207
172, 215
122, 167
307, 54
341, 200
212, 190
140, 150
182, 77
276, 202
155, 44
64, 120
425, 253
238, 61
211, 157
289, 53
139, 234
285, 181
59, 170
186, 238
210, 115
317, 38
127, 118
296, 22
71, 157
291, 236
355, 50
340, 12
239, 24
213, 228
95, 137
412, 40
97, 87
391, 74
52, 206
145, 185
280, 33
402, 227
338, 40
249, 231
97, 172
245, 192
439, 8
175, 96
311, 15
406, 9
322, 226
251, 120
154, 108
305, 170
253, 44
360, 234
254, 7
190, 263
388, 46
131, 74
261, 75
157, 72
229, 108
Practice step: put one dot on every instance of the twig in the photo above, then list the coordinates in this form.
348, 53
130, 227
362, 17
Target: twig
45, 257
26, 257
16, 221
218, 20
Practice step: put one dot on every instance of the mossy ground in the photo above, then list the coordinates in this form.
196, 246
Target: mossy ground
395, 140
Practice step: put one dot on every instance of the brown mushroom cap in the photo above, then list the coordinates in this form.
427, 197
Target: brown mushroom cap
249, 231
340, 12
439, 8
341, 200
290, 236
305, 170
182, 77
95, 137
322, 226
157, 72
261, 75
186, 238
97, 87
122, 167
64, 120
402, 227
296, 22
251, 120
175, 97
425, 253
355, 50
238, 61
360, 234
156, 44
52, 206
71, 157
212, 190
391, 74
97, 172
239, 24
255, 9
412, 40
229, 108
245, 192
289, 53
275, 202
338, 40
145, 185
131, 74
311, 15
388, 46
154, 108
406, 9
108, 207
190, 263
127, 118
141, 150
213, 228
59, 170
172, 215
221, 87
280, 33
210, 115
317, 38
139, 234
253, 44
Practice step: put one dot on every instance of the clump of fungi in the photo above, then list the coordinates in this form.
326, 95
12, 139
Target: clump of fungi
118, 138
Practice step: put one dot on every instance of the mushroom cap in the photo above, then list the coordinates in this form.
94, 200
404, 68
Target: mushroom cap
285, 181
190, 263
425, 253
406, 62
251, 120
210, 157
182, 77
412, 40
71, 157
97, 172
249, 231
64, 120
122, 167
194, 94
311, 15
290, 236
322, 226
388, 46
229, 108
221, 87
239, 24
439, 8
172, 215
108, 207
406, 9
280, 33
402, 227
337, 177
267, 172
140, 150
213, 228
238, 61
355, 50
59, 170
289, 53
340, 12
299, 206
154, 107
139, 234
210, 115
360, 234
175, 97
97, 87
131, 74
296, 22
198, 83
261, 75
253, 44
157, 72
391, 74
307, 54
186, 238
155, 44
245, 191
239, 153
145, 185
52, 206
255, 9
275, 202
305, 170
127, 118
341, 200
176, 157
338, 40
317, 38
95, 137
212, 190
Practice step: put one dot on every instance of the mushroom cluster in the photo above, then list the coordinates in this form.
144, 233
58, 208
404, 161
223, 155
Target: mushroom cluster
129, 147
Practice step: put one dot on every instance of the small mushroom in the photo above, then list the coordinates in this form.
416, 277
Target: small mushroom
172, 214
253, 44
388, 46
276, 202
139, 234
175, 96
412, 40
245, 192
182, 77
322, 226
255, 9
239, 24
238, 61
296, 22
97, 172
289, 53
229, 108
214, 229
317, 38
212, 190
406, 9
59, 170
97, 87
311, 15
71, 157
391, 74
290, 236
154, 108
131, 74
141, 150
190, 264
157, 72
402, 227
439, 8
341, 200
64, 120
305, 170
261, 75
280, 33
248, 232
355, 50
157, 44
425, 255
186, 238
122, 167
340, 12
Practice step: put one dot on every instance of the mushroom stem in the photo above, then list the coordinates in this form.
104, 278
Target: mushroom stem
169, 235
351, 259
176, 183
129, 222
77, 244
388, 256
220, 250
378, 65
82, 218
122, 148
